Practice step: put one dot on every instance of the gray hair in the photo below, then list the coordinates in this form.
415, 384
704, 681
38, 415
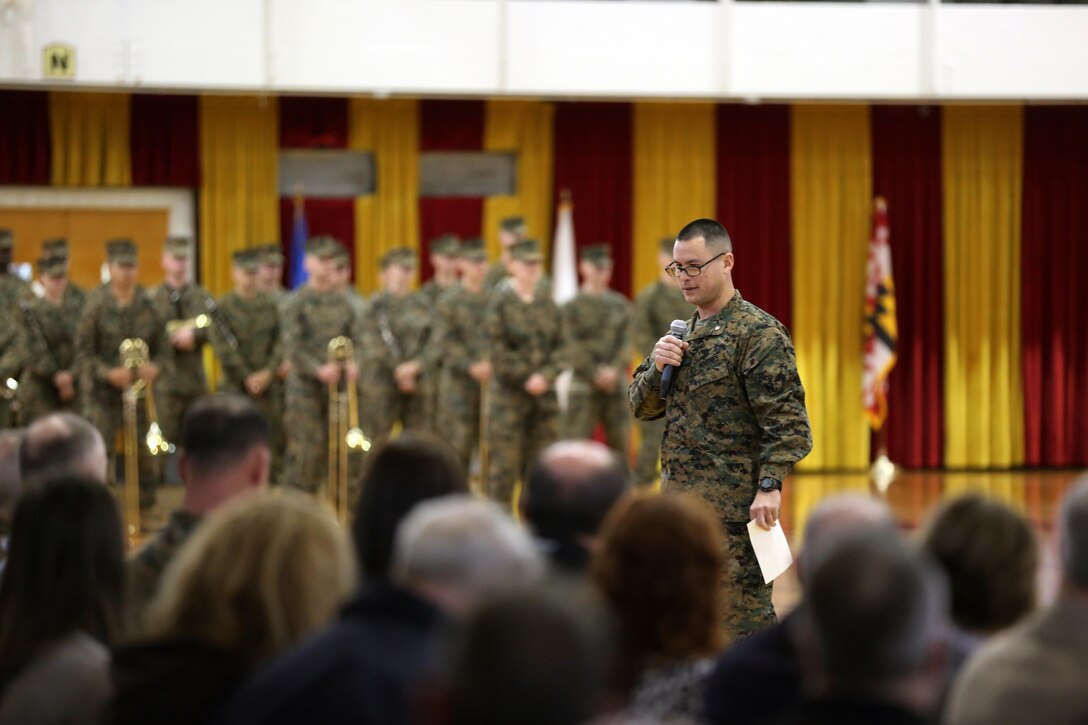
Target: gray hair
466, 544
61, 443
1073, 536
837, 518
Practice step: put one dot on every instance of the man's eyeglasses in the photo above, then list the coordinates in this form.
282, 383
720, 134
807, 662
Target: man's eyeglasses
694, 270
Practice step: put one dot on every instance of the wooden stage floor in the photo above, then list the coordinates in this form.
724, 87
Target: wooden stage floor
913, 495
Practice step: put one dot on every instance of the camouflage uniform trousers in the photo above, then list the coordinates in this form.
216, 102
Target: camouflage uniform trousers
306, 427
649, 451
458, 415
271, 406
171, 407
587, 405
384, 406
108, 417
38, 397
746, 600
519, 427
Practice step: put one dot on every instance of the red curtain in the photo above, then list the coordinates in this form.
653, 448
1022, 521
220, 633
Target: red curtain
907, 173
24, 137
163, 141
753, 150
335, 217
593, 160
1054, 311
449, 126
313, 123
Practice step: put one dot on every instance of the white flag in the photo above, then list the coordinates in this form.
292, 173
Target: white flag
564, 266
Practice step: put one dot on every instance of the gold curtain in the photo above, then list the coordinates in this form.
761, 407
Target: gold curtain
389, 217
675, 179
524, 128
239, 198
983, 398
831, 187
90, 139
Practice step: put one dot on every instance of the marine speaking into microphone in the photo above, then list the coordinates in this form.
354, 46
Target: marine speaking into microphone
734, 409
677, 329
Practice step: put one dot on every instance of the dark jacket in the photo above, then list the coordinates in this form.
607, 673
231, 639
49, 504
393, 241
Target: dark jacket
366, 668
177, 681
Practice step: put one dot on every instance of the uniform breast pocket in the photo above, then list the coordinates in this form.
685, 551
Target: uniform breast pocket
712, 386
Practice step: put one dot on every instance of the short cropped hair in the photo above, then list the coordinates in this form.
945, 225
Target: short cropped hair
467, 544
873, 609
1074, 533
57, 444
711, 232
220, 430
990, 556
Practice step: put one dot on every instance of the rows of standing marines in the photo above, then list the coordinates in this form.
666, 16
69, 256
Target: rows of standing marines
476, 356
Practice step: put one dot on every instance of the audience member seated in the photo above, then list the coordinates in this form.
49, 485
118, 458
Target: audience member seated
990, 557
569, 490
658, 565
873, 635
223, 453
62, 443
450, 555
537, 657
61, 604
759, 677
403, 472
10, 487
258, 576
1037, 672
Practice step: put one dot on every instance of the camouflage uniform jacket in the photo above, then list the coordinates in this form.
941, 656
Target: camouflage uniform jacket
431, 292
255, 326
12, 350
187, 375
146, 567
656, 306
308, 321
103, 326
522, 339
456, 338
736, 413
75, 299
12, 290
496, 273
595, 329
398, 330
50, 338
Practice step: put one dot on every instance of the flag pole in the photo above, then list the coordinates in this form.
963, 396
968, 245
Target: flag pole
883, 471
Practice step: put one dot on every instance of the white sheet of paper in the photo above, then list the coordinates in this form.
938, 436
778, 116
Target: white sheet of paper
772, 550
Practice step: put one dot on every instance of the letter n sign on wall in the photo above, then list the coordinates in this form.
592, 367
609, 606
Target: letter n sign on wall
59, 61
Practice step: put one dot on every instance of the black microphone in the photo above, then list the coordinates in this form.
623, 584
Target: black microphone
678, 328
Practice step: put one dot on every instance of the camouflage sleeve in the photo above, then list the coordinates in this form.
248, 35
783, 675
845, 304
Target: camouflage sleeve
12, 349
161, 351
778, 400
448, 346
574, 351
644, 393
88, 363
512, 367
554, 358
39, 359
621, 324
360, 338
275, 355
304, 363
234, 365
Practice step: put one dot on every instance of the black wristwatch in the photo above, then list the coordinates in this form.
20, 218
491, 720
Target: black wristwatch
767, 485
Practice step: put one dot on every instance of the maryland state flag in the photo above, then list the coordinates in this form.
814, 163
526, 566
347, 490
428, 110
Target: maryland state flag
881, 329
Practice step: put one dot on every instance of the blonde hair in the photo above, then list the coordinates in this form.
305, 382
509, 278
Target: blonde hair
257, 576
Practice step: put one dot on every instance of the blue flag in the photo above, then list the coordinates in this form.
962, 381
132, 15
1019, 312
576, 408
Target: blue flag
299, 234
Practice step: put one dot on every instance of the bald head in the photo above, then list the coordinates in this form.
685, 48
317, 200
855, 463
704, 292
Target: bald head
837, 518
569, 490
62, 443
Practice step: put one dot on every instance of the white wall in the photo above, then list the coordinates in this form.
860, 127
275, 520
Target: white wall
560, 48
